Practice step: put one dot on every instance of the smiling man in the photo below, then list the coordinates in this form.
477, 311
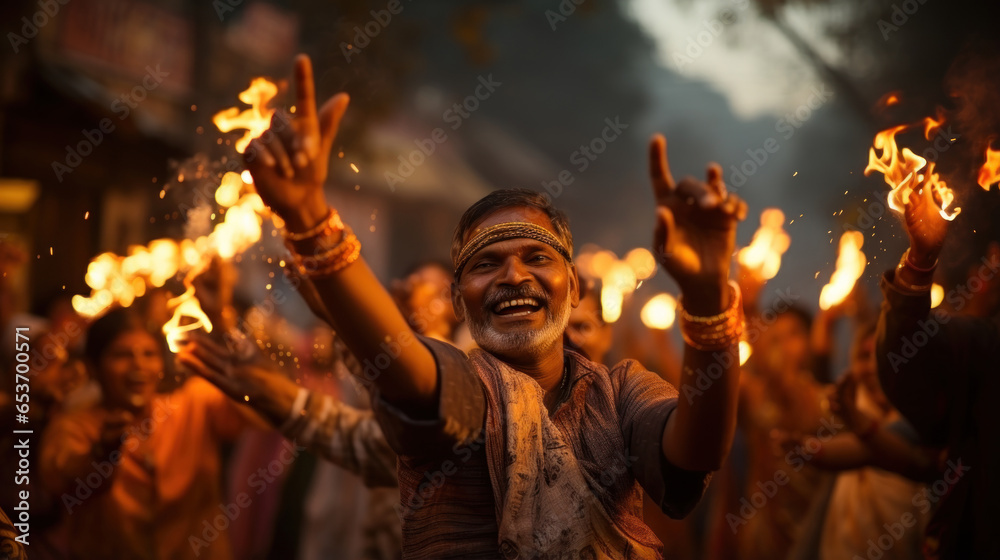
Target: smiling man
522, 449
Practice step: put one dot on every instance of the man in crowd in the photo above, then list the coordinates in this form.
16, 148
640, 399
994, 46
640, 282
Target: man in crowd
522, 448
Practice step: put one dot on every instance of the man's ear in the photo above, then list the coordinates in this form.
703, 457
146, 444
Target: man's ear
457, 303
574, 286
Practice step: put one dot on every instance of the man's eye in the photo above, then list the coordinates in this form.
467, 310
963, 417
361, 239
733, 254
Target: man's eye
540, 258
482, 264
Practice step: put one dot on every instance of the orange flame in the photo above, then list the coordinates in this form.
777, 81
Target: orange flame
769, 242
254, 120
618, 282
659, 312
850, 265
989, 173
116, 279
642, 263
906, 172
187, 305
745, 351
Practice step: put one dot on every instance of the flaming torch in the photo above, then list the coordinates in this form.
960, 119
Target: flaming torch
989, 173
850, 265
906, 172
659, 312
769, 242
254, 120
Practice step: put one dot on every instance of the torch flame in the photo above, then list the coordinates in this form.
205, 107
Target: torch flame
254, 120
906, 172
115, 279
850, 265
745, 351
989, 173
769, 242
187, 306
659, 312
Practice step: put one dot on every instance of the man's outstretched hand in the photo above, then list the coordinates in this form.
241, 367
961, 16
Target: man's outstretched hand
695, 232
289, 163
925, 227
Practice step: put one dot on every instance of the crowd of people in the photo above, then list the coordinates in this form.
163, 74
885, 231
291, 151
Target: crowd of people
484, 408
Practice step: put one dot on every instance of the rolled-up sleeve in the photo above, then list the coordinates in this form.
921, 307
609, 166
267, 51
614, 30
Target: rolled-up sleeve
461, 408
344, 435
645, 402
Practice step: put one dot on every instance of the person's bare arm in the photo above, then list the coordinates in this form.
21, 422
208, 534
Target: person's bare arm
694, 240
289, 172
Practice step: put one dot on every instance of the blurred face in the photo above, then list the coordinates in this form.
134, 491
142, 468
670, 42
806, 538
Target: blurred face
863, 358
428, 301
129, 370
517, 294
588, 330
864, 367
785, 344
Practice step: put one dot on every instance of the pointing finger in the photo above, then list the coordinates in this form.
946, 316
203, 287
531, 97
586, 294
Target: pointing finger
305, 108
659, 168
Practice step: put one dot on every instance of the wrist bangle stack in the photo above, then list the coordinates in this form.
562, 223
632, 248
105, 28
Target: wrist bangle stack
325, 249
914, 271
716, 332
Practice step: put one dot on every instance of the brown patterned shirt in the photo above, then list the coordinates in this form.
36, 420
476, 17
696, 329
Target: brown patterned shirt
613, 418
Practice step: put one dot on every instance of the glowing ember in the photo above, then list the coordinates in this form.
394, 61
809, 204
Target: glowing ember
601, 263
240, 230
228, 192
989, 173
355, 168
745, 351
611, 303
937, 294
642, 263
659, 312
850, 265
618, 282
906, 172
254, 120
186, 306
769, 242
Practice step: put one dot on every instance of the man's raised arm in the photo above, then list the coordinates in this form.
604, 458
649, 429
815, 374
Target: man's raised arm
289, 164
694, 241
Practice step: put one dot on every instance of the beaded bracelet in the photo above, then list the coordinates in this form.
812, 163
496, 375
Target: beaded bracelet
715, 332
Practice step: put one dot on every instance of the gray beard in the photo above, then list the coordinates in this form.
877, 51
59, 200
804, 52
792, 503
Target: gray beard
530, 343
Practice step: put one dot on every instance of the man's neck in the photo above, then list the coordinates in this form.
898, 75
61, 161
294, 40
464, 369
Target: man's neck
546, 370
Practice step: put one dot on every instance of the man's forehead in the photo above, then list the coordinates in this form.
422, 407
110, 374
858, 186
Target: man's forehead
511, 214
